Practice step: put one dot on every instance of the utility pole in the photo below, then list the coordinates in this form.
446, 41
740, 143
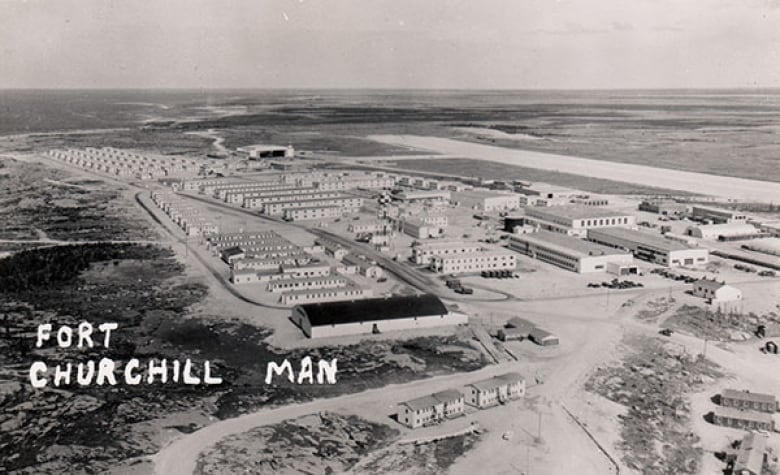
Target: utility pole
539, 427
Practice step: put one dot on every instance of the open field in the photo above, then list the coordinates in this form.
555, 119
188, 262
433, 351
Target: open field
715, 185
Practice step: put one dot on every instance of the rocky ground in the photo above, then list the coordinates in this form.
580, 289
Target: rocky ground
652, 382
142, 288
320, 443
712, 325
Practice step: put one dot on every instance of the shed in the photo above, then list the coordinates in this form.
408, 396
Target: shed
543, 337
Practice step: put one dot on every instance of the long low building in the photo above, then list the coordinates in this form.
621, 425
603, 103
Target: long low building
724, 231
484, 259
423, 253
650, 247
575, 220
343, 201
568, 252
308, 283
348, 293
375, 315
743, 419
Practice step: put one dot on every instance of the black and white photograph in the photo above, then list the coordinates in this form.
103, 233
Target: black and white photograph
536, 237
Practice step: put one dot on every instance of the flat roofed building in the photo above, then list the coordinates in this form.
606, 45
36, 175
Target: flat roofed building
485, 259
262, 202
418, 229
431, 409
374, 316
345, 202
650, 247
422, 253
486, 201
749, 400
348, 293
742, 419
717, 215
314, 212
422, 195
496, 390
664, 207
751, 457
576, 220
308, 283
568, 252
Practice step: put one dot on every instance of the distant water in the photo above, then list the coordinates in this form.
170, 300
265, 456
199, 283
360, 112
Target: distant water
726, 132
25, 111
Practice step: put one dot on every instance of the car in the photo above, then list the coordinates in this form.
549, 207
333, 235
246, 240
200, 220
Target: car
464, 290
666, 332
766, 273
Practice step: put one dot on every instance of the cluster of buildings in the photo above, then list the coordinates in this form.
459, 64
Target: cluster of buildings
128, 164
451, 403
297, 196
185, 215
519, 329
745, 410
374, 316
589, 239
293, 272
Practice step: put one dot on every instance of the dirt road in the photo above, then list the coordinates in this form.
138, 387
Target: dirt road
713, 185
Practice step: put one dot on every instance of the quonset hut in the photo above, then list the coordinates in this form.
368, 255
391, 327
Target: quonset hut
354, 317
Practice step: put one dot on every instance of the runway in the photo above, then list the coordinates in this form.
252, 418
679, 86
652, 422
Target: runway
701, 183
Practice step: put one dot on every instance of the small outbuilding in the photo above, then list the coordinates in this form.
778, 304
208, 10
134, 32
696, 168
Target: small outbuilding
543, 337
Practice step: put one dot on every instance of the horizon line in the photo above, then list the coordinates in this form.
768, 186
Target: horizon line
421, 89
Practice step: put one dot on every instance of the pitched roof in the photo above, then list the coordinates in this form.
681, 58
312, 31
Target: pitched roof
517, 322
389, 308
748, 396
497, 381
734, 413
751, 453
434, 399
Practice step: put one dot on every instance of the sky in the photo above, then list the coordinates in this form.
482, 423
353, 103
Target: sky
420, 44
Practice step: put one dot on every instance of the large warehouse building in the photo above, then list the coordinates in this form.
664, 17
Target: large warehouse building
724, 232
569, 252
650, 247
374, 316
717, 215
486, 201
576, 220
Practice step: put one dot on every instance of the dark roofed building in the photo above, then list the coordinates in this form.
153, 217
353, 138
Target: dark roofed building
232, 254
353, 317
